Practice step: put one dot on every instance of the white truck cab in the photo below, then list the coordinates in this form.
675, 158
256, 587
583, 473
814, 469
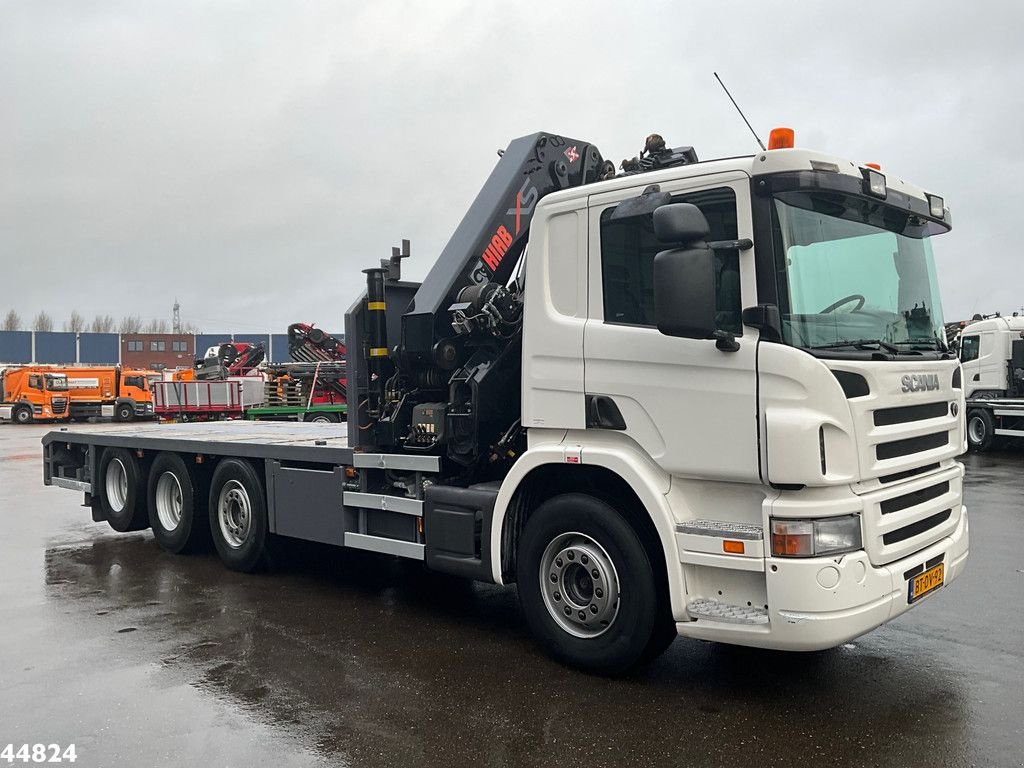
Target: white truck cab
799, 485
992, 354
986, 349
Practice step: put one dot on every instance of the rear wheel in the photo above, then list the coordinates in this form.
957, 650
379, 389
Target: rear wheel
124, 412
176, 505
122, 491
238, 516
980, 429
588, 588
23, 414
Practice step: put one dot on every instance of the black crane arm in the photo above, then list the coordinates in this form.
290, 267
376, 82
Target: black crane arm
490, 239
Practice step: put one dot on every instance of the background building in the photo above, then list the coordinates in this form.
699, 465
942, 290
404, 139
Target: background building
157, 350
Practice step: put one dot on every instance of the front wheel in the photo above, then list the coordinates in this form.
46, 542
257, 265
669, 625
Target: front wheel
588, 587
238, 516
23, 415
124, 412
980, 430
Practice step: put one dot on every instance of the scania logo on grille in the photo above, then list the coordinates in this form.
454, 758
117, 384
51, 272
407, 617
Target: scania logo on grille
920, 382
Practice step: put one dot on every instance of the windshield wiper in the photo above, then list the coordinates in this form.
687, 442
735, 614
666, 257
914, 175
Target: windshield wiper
877, 344
926, 345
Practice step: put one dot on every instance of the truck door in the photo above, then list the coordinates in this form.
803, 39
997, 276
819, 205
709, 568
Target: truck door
989, 371
969, 351
691, 407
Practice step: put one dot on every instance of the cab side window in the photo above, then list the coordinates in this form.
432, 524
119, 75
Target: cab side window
969, 348
628, 248
35, 381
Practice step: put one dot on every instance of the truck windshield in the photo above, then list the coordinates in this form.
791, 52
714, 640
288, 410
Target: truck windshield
855, 274
56, 383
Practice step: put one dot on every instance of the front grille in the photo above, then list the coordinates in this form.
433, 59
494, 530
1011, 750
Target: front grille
916, 529
913, 499
902, 519
896, 448
59, 404
908, 473
885, 417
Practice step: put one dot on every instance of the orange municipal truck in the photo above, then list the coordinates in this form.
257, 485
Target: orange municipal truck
33, 394
77, 393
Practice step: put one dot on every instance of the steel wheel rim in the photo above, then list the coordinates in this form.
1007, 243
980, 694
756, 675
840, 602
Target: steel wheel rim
169, 501
24, 417
234, 513
116, 485
320, 420
579, 584
976, 430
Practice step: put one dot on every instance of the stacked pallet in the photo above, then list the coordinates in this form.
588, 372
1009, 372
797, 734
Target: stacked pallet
284, 392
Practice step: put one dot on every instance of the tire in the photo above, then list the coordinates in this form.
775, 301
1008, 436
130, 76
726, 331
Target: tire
320, 418
980, 429
122, 490
22, 415
124, 412
176, 503
238, 516
606, 624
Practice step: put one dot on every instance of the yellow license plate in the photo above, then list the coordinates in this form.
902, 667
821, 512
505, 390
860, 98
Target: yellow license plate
926, 582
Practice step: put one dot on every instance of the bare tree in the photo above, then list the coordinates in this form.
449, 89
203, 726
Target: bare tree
42, 322
156, 326
190, 328
102, 324
12, 322
130, 324
76, 323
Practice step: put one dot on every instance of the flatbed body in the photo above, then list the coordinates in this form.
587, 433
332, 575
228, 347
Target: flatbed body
284, 440
316, 486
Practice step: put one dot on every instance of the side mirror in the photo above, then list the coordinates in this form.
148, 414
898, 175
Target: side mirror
684, 277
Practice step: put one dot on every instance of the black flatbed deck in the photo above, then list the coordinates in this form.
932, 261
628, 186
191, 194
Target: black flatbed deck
290, 441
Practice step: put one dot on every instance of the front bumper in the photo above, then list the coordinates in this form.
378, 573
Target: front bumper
823, 602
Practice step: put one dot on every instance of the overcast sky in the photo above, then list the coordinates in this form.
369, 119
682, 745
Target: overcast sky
251, 157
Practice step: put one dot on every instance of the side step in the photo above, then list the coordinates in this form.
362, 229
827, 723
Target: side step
706, 609
385, 546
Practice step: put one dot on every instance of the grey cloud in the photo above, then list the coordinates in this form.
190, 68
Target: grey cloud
251, 158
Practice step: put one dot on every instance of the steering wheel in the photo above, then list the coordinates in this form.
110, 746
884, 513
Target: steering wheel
845, 300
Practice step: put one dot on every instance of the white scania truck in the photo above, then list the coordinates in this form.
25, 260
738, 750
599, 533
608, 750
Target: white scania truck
711, 399
992, 353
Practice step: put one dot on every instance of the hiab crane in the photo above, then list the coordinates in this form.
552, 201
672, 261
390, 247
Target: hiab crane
701, 398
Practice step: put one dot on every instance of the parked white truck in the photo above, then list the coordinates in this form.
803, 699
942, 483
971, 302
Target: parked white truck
714, 399
992, 353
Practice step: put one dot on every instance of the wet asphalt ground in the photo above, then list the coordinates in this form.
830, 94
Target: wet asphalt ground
141, 658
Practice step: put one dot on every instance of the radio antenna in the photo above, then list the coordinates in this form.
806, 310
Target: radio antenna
756, 137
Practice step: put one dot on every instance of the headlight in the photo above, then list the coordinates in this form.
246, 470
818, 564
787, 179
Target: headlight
814, 538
